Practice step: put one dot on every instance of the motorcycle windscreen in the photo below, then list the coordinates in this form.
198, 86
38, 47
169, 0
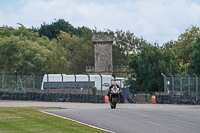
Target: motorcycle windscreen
115, 89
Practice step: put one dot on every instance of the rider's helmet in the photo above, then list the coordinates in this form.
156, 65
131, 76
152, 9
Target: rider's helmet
114, 83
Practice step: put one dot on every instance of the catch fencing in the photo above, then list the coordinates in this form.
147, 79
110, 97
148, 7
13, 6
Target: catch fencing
185, 85
28, 87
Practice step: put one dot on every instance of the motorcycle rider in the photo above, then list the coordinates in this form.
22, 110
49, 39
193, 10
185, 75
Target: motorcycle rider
109, 90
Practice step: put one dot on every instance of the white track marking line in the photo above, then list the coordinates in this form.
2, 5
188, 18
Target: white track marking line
76, 121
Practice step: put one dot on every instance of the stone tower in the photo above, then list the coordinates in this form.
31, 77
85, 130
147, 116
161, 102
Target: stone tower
102, 53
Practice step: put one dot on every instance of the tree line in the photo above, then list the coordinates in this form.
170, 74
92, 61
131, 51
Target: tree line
52, 48
61, 48
175, 57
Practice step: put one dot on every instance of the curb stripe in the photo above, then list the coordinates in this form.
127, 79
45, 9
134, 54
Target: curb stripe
76, 121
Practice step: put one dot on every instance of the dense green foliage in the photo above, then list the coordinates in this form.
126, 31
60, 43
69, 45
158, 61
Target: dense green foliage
61, 48
183, 47
194, 65
147, 68
125, 44
71, 55
53, 30
26, 51
23, 50
172, 57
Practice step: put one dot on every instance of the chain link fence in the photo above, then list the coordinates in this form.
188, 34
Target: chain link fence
21, 83
29, 87
187, 85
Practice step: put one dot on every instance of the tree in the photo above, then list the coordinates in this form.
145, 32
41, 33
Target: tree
125, 44
183, 47
194, 64
59, 60
71, 54
22, 50
53, 30
168, 46
82, 53
147, 68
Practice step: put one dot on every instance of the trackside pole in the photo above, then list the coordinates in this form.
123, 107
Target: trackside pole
88, 83
33, 81
17, 75
196, 84
62, 82
88, 86
172, 83
181, 92
188, 84
74, 84
47, 82
165, 85
101, 84
2, 80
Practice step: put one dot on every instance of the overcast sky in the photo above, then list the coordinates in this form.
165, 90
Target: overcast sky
155, 20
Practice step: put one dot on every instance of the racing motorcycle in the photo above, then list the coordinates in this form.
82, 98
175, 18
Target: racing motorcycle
114, 96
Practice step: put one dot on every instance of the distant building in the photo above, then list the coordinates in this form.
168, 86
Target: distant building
103, 42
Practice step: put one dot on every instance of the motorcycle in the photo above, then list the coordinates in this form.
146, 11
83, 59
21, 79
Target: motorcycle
114, 96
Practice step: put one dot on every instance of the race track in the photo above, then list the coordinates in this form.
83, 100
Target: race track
137, 120
126, 118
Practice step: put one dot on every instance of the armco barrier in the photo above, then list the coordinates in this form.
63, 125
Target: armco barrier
51, 97
59, 97
177, 99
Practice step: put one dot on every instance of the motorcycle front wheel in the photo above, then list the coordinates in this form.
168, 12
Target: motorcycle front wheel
114, 102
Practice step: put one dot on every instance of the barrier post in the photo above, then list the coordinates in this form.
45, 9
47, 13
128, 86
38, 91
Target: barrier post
88, 86
172, 83
188, 84
74, 84
33, 81
101, 84
2, 80
88, 83
47, 82
196, 84
17, 75
181, 92
62, 82
164, 82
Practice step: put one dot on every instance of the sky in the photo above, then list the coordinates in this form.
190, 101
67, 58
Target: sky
157, 21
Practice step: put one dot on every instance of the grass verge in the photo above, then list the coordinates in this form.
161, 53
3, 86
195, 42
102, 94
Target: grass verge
29, 119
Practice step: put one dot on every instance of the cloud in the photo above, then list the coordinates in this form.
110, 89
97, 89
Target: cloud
155, 20
165, 20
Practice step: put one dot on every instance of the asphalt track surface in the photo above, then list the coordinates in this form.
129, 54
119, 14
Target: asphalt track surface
136, 120
126, 118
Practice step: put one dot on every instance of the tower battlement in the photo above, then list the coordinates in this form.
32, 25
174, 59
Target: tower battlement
103, 37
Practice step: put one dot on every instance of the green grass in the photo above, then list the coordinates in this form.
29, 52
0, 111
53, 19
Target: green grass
195, 107
30, 120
